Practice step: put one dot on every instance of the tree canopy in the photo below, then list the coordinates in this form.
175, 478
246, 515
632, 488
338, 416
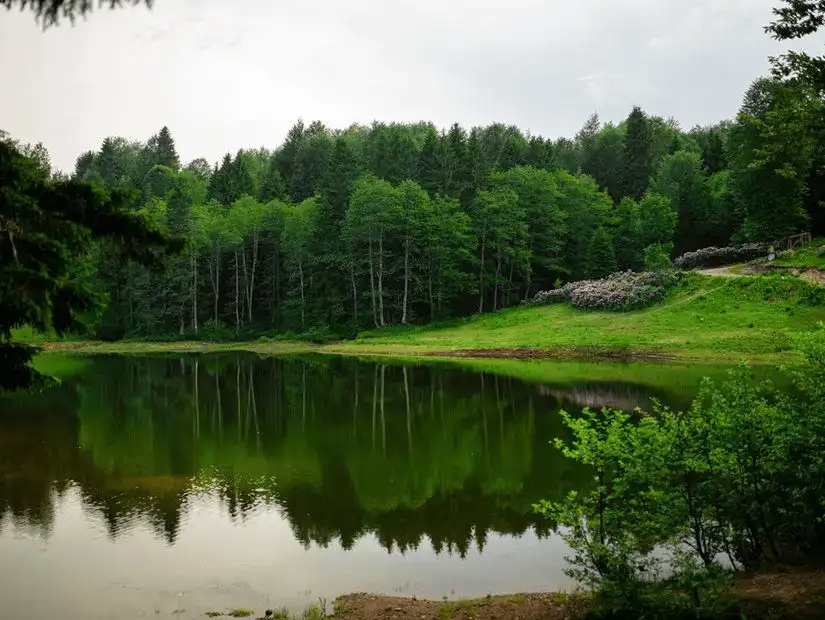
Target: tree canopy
45, 224
50, 12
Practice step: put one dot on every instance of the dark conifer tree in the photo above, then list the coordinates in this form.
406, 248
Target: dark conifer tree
637, 165
220, 185
601, 257
273, 186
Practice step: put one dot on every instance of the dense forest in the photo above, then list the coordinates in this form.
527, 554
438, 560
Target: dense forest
340, 230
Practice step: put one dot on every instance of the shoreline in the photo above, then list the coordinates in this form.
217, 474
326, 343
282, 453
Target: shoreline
419, 352
784, 592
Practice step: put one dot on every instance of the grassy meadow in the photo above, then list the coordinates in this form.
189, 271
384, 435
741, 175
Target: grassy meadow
708, 319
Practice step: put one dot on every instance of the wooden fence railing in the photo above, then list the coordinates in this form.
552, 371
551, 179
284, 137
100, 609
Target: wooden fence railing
795, 241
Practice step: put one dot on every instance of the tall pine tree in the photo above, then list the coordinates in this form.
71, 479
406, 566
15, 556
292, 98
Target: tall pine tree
637, 163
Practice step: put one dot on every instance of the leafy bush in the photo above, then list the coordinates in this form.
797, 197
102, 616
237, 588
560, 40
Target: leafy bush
554, 296
315, 335
216, 331
657, 257
620, 291
719, 257
739, 475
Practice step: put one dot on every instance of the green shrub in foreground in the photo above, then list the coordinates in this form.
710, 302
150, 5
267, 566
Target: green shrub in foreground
739, 476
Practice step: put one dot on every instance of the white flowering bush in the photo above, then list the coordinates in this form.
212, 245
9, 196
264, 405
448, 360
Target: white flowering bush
546, 298
624, 290
719, 257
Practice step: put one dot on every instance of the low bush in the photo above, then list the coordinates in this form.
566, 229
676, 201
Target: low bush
739, 475
315, 335
657, 257
624, 290
719, 257
216, 331
554, 296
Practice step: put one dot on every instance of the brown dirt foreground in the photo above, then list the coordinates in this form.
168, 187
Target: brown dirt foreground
516, 607
575, 353
786, 595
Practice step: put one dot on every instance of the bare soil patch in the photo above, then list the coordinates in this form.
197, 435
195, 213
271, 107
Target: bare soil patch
547, 606
811, 274
787, 594
595, 353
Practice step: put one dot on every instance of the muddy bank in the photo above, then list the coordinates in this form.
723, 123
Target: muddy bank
547, 606
569, 353
790, 594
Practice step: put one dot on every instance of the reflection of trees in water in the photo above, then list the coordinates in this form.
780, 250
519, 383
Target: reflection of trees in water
597, 395
35, 449
344, 448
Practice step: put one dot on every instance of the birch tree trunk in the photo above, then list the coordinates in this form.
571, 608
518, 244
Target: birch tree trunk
301, 274
215, 279
481, 279
249, 276
237, 294
195, 290
372, 287
406, 279
496, 283
381, 279
354, 290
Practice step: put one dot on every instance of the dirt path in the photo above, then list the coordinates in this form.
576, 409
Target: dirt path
724, 272
811, 274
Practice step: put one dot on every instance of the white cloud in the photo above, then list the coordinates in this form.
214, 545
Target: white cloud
229, 75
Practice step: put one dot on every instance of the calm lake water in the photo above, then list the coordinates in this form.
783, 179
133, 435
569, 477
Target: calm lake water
170, 486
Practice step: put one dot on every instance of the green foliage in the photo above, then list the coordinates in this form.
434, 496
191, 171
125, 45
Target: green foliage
657, 220
299, 228
45, 225
638, 160
736, 475
540, 205
771, 150
657, 257
215, 332
603, 154
628, 235
683, 181
795, 20
601, 259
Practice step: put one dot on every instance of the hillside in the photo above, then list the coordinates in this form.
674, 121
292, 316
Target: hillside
705, 318
725, 319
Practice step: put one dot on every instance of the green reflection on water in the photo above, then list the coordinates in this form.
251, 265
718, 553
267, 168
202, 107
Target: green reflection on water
343, 448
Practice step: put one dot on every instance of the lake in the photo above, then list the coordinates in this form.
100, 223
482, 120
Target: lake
171, 486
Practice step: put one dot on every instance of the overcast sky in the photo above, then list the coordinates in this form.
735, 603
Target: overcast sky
227, 75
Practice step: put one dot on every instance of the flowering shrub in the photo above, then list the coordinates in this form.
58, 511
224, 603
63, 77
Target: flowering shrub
718, 257
546, 298
624, 290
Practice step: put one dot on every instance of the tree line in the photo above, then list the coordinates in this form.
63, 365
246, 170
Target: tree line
402, 223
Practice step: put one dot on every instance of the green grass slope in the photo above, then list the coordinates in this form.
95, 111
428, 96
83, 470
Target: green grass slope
722, 319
